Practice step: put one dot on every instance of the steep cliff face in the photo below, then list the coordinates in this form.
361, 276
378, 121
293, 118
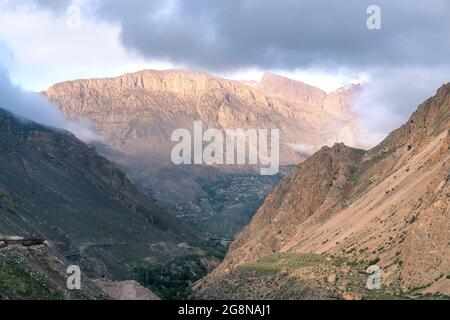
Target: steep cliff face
137, 112
135, 115
389, 206
54, 187
317, 186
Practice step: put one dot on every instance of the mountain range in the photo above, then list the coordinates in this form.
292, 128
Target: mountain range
339, 217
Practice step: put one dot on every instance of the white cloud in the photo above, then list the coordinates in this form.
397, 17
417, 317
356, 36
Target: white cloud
390, 96
326, 80
45, 51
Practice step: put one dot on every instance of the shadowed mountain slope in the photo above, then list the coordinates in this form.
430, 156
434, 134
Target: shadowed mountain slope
55, 187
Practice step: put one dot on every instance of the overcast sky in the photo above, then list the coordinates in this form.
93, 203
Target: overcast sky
322, 42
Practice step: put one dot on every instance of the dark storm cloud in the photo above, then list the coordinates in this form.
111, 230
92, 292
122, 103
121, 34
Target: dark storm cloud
224, 35
406, 60
231, 34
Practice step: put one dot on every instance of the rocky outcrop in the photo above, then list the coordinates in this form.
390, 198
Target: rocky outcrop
8, 241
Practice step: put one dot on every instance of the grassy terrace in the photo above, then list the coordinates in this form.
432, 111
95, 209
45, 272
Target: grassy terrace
275, 263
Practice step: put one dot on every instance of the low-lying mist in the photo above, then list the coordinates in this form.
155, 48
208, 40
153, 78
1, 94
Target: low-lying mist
33, 106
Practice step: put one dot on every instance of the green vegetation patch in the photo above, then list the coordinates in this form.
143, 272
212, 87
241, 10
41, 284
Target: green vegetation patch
213, 251
274, 263
17, 283
172, 280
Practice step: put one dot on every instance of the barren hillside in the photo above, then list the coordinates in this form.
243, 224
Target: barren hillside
388, 206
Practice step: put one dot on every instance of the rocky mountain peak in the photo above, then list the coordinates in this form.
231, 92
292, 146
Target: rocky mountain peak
430, 119
291, 90
315, 187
